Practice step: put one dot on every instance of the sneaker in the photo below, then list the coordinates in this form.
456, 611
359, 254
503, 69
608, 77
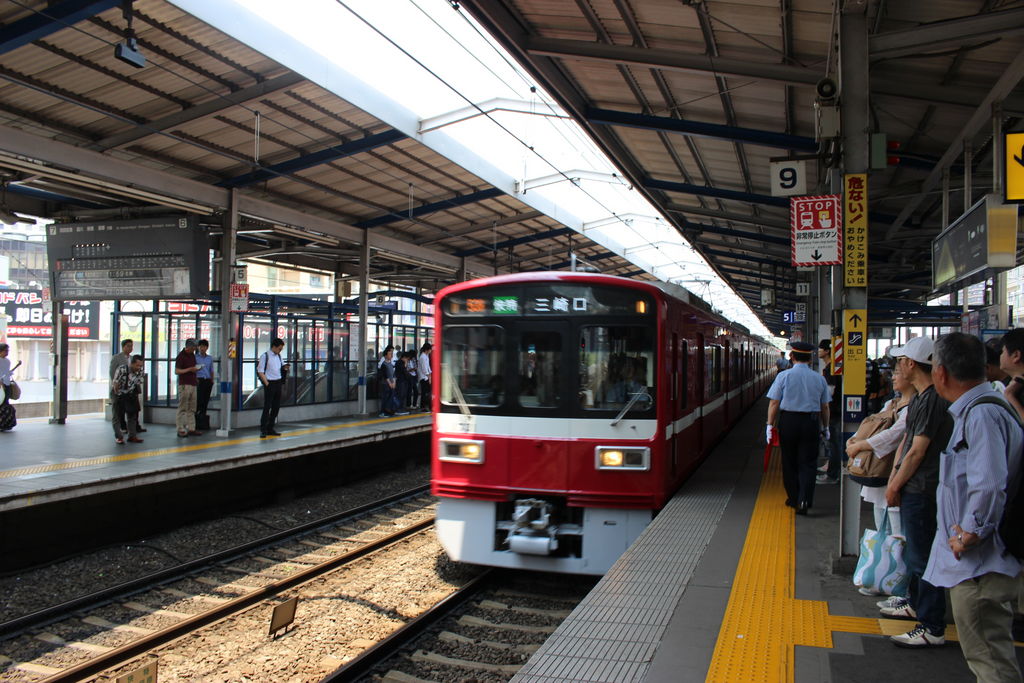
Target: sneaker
824, 468
134, 440
919, 636
892, 601
271, 432
867, 591
902, 612
119, 440
825, 479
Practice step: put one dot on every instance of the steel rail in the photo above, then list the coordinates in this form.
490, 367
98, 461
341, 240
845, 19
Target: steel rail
377, 654
126, 652
55, 613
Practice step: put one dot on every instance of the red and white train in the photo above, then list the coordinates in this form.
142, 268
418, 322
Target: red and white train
569, 407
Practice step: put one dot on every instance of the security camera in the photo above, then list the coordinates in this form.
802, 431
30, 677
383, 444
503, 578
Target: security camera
826, 88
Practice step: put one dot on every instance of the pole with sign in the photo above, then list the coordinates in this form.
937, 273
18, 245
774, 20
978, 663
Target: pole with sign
1013, 168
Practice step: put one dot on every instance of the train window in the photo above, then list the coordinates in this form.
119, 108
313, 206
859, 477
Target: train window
540, 360
616, 365
716, 369
473, 358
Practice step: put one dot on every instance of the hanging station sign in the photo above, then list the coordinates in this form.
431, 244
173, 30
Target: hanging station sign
978, 244
816, 230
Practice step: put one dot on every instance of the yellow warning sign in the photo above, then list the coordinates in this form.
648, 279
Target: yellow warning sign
1014, 167
855, 233
855, 351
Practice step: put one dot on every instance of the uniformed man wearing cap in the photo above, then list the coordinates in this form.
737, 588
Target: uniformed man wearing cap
798, 407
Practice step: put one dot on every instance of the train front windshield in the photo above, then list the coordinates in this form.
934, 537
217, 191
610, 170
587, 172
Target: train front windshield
552, 349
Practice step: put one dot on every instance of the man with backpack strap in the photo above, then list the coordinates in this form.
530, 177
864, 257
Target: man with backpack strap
981, 463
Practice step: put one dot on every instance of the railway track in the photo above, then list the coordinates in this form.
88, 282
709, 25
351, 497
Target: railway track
97, 632
484, 632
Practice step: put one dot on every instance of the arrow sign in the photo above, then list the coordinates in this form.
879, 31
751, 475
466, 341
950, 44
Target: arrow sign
856, 320
1013, 167
816, 255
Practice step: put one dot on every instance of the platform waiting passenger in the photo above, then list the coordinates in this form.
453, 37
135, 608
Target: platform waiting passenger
204, 384
271, 370
124, 391
185, 367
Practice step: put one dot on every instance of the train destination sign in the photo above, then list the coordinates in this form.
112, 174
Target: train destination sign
816, 230
553, 300
144, 258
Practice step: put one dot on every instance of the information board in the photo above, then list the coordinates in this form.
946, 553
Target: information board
144, 258
817, 230
976, 245
855, 222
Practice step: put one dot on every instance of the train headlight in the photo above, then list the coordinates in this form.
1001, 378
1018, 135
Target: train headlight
619, 458
461, 450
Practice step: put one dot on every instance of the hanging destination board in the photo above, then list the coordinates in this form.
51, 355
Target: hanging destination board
144, 258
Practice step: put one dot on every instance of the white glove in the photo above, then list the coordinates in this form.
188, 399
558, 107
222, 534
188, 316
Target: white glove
826, 433
769, 432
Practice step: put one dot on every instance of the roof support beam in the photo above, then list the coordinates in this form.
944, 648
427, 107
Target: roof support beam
700, 190
718, 131
675, 207
740, 234
945, 34
444, 204
104, 168
323, 156
981, 117
516, 241
743, 257
49, 20
674, 60
199, 111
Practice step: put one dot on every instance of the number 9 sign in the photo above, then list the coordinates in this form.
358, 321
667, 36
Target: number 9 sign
788, 178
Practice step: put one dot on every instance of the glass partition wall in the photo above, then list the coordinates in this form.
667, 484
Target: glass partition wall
319, 347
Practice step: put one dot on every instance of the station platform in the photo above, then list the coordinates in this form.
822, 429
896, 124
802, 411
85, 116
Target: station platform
727, 584
44, 463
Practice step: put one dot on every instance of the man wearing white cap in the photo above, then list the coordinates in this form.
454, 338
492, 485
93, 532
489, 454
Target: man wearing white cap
912, 487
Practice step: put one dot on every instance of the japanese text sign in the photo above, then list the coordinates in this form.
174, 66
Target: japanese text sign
817, 231
855, 215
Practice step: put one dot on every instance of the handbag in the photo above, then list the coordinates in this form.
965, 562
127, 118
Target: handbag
868, 468
14, 391
880, 567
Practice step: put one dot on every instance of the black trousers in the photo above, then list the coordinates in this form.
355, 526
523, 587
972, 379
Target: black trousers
798, 439
426, 400
204, 387
271, 404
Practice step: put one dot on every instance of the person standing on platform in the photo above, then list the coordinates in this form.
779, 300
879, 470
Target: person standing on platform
185, 367
124, 390
782, 363
387, 383
912, 487
833, 442
425, 375
119, 360
980, 464
8, 416
271, 370
204, 384
798, 404
1011, 360
414, 384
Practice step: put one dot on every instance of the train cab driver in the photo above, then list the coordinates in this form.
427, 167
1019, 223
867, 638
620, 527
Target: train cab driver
626, 385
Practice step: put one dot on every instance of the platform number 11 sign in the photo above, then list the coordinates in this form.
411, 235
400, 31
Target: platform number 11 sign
788, 178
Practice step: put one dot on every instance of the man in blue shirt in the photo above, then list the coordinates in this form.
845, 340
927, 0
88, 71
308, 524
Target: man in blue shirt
981, 462
204, 384
798, 404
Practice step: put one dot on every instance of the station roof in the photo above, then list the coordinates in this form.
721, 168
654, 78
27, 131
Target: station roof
691, 100
86, 135
694, 98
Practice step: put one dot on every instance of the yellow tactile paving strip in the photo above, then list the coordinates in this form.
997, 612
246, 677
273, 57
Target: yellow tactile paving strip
138, 455
763, 621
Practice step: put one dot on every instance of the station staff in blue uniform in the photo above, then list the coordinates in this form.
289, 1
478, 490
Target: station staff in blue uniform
798, 408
